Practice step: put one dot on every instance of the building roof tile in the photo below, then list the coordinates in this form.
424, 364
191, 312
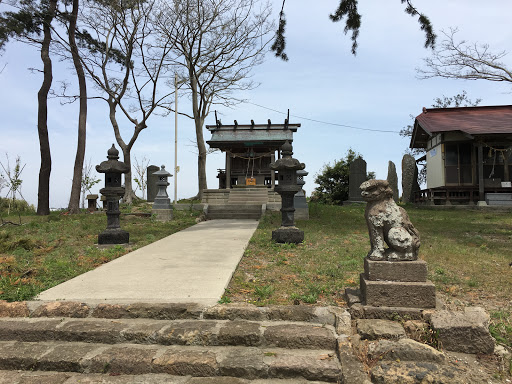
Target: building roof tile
472, 120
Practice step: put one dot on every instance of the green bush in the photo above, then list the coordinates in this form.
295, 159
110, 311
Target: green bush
333, 181
16, 206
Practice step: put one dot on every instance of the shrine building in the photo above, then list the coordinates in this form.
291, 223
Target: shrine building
249, 150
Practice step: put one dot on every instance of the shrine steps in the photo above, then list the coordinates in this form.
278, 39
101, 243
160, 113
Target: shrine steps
217, 345
498, 199
248, 196
234, 211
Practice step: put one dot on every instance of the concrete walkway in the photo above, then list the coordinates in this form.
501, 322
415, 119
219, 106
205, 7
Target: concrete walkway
194, 265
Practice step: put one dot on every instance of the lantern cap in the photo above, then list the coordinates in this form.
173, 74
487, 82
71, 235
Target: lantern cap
287, 162
113, 153
112, 165
162, 172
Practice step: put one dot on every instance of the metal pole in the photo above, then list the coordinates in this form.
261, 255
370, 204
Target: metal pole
175, 138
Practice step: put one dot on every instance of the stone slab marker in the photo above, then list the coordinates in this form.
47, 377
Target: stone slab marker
393, 179
152, 187
357, 176
409, 178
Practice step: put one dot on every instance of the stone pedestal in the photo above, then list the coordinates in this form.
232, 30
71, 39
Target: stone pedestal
288, 235
397, 284
390, 288
113, 236
162, 214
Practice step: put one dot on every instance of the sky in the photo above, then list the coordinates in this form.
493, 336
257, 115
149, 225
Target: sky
377, 89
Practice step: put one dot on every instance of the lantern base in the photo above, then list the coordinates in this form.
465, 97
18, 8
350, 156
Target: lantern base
288, 235
162, 214
113, 236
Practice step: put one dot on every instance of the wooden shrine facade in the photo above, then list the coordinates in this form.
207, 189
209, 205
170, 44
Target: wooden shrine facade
468, 154
249, 149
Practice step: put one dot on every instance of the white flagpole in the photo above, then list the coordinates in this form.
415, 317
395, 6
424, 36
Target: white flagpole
175, 138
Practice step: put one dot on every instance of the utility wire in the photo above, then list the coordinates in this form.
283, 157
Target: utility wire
320, 121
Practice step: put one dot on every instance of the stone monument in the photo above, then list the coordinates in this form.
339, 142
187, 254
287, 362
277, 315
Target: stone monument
91, 202
394, 280
151, 182
112, 168
299, 201
357, 175
409, 178
162, 208
393, 180
287, 187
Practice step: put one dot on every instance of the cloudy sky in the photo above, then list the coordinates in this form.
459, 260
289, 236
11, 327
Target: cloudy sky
322, 81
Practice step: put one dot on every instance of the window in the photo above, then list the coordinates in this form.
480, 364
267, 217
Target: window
458, 164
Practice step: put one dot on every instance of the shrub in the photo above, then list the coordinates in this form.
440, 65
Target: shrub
333, 180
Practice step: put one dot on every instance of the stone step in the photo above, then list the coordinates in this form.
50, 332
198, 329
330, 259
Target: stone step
247, 200
170, 332
233, 215
498, 196
40, 377
133, 359
172, 311
500, 202
247, 207
237, 210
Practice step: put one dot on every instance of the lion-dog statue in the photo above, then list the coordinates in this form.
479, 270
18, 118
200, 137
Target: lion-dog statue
388, 224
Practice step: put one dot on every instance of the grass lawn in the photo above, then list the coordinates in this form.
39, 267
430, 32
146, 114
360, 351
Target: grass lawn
468, 254
48, 250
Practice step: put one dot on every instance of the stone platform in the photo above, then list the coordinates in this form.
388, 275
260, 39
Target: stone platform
392, 287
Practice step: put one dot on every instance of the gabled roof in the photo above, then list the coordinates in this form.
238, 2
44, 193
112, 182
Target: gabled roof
469, 120
228, 137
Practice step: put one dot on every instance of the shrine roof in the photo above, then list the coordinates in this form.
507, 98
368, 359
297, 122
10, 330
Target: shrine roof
250, 135
469, 120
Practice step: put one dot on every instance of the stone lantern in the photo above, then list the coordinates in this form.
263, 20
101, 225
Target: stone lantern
299, 201
162, 205
113, 191
287, 187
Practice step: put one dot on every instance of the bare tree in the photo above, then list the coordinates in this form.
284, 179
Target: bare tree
140, 173
217, 42
87, 181
13, 181
467, 61
119, 55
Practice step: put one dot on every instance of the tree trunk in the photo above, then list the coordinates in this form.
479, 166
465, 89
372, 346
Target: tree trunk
201, 158
74, 200
129, 195
199, 121
43, 193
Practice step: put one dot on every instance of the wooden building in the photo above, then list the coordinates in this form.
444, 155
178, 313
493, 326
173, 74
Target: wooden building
249, 151
468, 154
246, 184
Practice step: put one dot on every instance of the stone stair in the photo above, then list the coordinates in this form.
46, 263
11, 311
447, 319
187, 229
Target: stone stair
243, 203
247, 195
66, 342
234, 211
499, 199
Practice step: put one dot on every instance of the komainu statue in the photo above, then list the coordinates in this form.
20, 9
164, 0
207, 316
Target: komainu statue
388, 224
